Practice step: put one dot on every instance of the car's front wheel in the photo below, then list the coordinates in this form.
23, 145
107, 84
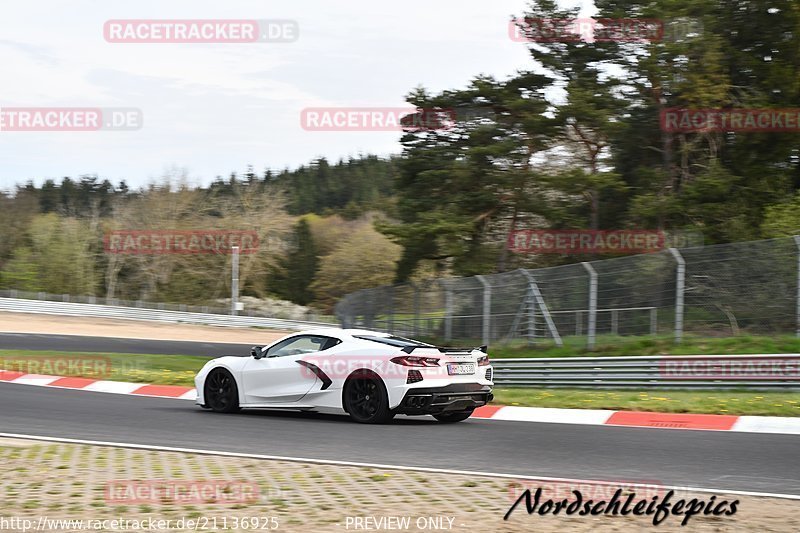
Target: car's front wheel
366, 400
221, 394
449, 418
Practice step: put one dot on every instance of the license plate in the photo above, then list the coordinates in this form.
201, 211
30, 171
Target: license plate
460, 368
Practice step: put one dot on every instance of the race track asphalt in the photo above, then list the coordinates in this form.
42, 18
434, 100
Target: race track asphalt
76, 343
704, 459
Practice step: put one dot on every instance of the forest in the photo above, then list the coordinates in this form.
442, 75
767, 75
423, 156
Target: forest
573, 142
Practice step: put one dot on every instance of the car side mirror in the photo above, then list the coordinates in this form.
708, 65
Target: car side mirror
257, 352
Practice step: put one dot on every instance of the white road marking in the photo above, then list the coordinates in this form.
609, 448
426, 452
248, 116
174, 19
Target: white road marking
33, 379
188, 395
767, 424
551, 414
118, 387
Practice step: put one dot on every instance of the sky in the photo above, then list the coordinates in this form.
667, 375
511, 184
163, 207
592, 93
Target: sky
215, 108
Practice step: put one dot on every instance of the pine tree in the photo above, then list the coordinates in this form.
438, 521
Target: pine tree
292, 278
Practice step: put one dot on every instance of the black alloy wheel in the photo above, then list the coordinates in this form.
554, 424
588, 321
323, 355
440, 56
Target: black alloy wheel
365, 399
221, 394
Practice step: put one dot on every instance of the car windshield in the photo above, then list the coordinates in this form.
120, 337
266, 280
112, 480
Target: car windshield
392, 340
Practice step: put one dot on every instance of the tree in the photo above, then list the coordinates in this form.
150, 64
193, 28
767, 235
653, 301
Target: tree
742, 54
331, 232
16, 213
57, 260
292, 278
783, 220
366, 259
457, 183
349, 187
21, 272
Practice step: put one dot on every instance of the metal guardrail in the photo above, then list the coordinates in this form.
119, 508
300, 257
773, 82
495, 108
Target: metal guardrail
762, 371
136, 313
213, 309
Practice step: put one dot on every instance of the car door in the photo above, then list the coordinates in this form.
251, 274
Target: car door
278, 377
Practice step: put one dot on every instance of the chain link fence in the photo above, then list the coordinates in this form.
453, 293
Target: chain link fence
721, 290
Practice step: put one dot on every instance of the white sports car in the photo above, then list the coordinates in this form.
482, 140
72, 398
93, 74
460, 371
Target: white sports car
367, 374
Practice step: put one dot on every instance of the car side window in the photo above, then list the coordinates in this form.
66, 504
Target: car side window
331, 343
302, 344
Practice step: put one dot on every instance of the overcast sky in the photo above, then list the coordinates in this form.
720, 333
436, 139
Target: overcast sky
215, 108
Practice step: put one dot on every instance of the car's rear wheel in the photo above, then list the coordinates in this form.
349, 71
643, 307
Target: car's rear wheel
365, 398
450, 418
221, 394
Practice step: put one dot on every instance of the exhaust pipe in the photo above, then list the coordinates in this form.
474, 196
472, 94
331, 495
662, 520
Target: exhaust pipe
416, 402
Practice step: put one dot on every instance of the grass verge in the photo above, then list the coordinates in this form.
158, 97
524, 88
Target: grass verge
180, 370
136, 368
613, 346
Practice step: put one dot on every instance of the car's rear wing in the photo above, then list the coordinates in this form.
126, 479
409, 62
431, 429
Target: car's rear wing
484, 348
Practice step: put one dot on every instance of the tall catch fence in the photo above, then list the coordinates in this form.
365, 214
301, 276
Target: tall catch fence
721, 290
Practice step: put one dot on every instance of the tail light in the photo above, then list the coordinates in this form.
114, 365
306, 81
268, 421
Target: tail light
483, 360
412, 360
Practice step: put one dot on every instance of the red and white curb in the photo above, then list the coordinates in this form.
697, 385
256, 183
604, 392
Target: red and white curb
116, 387
600, 417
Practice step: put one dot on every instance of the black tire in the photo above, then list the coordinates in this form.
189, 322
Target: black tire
365, 398
451, 418
221, 393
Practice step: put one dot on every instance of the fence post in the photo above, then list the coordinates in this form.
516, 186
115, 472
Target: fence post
797, 242
235, 281
487, 308
536, 294
531, 318
592, 325
680, 280
653, 320
390, 309
416, 309
448, 313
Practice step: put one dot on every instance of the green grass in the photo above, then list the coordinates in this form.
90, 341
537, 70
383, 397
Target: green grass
612, 346
708, 402
137, 368
180, 370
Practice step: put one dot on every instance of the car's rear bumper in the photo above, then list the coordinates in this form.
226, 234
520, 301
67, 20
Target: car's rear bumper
450, 398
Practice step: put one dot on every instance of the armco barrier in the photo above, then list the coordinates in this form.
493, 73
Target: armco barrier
136, 313
763, 371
